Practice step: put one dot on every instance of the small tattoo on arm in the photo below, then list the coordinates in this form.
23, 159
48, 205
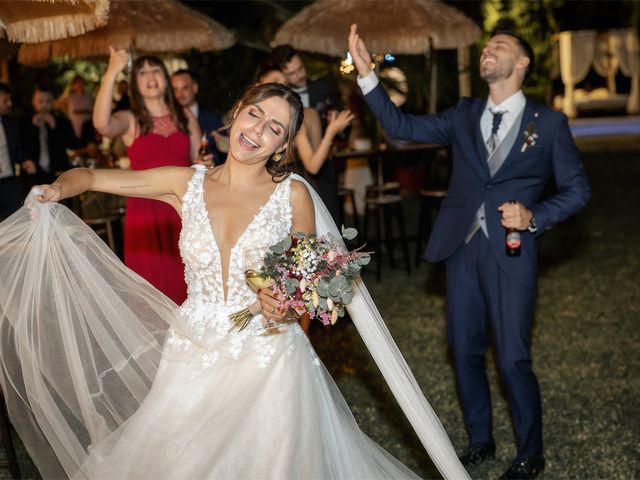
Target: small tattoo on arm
133, 187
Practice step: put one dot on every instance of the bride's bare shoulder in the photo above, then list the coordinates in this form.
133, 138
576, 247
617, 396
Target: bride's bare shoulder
299, 191
302, 207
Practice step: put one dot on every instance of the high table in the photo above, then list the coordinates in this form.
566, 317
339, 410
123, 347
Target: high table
384, 152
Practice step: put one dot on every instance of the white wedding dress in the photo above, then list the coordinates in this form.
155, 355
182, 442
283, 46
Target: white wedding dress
104, 395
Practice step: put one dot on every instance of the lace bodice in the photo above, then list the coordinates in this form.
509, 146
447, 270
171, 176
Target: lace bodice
202, 258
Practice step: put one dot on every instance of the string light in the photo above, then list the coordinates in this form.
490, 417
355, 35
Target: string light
347, 66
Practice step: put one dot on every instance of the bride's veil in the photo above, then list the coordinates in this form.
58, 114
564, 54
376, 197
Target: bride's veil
81, 338
394, 368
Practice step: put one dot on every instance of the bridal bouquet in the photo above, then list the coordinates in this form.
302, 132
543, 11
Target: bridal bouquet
314, 274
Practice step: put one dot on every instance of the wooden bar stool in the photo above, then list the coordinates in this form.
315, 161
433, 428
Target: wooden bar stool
384, 210
386, 187
430, 200
95, 213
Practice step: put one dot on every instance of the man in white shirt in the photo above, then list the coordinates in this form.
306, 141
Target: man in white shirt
504, 151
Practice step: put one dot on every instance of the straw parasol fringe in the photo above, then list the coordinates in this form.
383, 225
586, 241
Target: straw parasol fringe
33, 21
144, 26
401, 26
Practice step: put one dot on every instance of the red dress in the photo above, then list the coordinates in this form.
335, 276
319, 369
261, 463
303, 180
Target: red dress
152, 228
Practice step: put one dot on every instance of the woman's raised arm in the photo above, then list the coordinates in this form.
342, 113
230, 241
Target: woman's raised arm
104, 122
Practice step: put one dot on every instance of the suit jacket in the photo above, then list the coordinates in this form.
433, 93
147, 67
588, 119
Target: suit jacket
14, 144
209, 121
522, 176
322, 94
58, 141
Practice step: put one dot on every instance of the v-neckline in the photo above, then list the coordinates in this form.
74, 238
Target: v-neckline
246, 229
225, 294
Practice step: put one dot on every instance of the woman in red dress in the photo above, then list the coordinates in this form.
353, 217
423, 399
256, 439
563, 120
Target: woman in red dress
157, 132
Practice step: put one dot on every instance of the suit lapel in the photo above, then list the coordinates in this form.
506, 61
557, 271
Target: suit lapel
477, 142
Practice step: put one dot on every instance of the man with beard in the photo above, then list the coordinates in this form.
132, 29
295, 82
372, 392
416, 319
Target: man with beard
318, 94
46, 137
505, 149
185, 89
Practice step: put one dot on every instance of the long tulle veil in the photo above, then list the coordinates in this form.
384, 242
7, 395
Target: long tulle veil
81, 338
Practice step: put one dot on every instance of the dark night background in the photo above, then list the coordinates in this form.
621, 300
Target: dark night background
224, 75
585, 336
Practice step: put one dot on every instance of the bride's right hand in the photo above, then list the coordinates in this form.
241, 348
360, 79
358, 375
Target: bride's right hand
274, 306
50, 193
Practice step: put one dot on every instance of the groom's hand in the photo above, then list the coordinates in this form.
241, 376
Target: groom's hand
359, 53
515, 215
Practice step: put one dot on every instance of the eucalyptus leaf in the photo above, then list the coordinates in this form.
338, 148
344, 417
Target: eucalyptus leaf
281, 246
291, 285
364, 260
322, 304
349, 233
346, 297
338, 281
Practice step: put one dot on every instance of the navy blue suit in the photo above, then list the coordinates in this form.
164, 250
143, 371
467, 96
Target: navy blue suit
208, 122
483, 283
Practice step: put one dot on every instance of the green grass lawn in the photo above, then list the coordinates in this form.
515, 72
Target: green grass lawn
585, 343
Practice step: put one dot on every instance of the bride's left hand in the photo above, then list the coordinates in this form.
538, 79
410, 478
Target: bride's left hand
274, 306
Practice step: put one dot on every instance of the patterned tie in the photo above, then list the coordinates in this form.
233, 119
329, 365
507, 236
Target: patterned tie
493, 138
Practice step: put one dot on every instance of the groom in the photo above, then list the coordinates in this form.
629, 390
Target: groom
505, 148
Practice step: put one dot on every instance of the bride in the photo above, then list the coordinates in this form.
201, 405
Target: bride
105, 377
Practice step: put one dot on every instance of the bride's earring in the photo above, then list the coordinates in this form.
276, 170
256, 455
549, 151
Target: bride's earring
277, 157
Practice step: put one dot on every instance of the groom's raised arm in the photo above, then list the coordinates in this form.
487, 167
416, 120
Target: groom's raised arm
417, 128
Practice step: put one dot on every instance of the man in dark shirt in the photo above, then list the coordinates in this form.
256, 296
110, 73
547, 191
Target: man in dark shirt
46, 138
11, 156
185, 89
319, 94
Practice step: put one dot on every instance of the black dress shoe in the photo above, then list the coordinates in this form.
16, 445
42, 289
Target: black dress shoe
524, 469
478, 453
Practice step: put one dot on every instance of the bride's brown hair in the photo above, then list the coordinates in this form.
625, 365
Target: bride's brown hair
281, 169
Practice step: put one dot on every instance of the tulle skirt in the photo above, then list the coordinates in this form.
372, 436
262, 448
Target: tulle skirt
104, 377
269, 412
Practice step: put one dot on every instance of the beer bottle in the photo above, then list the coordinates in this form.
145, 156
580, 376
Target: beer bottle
204, 146
513, 242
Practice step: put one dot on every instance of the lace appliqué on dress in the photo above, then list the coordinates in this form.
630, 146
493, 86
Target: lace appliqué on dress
205, 307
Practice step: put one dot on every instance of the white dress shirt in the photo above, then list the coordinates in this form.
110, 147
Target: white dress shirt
511, 108
195, 109
368, 83
304, 95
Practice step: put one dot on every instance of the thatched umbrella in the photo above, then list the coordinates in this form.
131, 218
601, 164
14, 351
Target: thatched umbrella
409, 27
33, 21
143, 26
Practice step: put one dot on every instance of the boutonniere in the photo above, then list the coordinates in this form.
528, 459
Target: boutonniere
530, 136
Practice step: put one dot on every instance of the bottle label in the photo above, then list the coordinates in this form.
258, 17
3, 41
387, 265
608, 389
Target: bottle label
513, 240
